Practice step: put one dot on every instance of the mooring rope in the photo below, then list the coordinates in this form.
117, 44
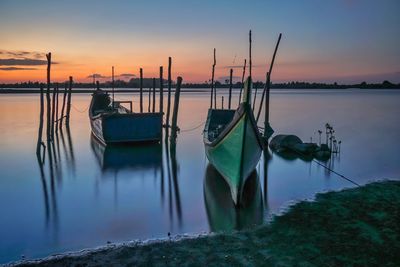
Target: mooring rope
329, 169
193, 128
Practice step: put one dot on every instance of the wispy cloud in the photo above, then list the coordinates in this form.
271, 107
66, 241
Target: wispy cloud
127, 75
23, 54
97, 75
23, 62
16, 68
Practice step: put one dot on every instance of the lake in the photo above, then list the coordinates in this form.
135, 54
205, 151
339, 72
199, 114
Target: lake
91, 194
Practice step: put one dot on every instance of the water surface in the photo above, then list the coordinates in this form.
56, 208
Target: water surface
91, 194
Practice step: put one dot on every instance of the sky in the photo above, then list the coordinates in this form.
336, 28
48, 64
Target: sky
344, 41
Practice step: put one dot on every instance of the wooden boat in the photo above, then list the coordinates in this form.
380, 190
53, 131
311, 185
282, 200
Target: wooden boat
113, 123
222, 214
233, 143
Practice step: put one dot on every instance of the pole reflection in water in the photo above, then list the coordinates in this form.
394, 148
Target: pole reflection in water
222, 213
137, 159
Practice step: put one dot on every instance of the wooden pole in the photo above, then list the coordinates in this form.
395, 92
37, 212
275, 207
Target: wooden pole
48, 56
148, 108
267, 83
98, 85
53, 110
141, 90
212, 81
176, 107
56, 126
222, 102
169, 90
215, 88
250, 63
266, 116
161, 91
255, 96
230, 89
154, 95
69, 102
39, 141
112, 75
63, 106
241, 88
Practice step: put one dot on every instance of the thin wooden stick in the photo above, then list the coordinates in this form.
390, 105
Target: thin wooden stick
141, 90
63, 106
267, 85
69, 102
39, 141
56, 126
53, 110
175, 111
250, 63
148, 108
112, 75
161, 91
154, 95
241, 88
48, 56
230, 89
255, 96
212, 81
169, 90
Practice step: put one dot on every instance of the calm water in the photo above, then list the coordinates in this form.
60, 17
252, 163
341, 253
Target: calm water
91, 194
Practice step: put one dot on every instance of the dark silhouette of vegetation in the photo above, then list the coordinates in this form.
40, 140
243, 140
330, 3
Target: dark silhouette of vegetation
148, 82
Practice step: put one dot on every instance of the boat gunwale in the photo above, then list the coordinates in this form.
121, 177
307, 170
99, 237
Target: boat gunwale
231, 125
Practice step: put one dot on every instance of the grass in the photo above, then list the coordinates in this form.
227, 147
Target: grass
353, 227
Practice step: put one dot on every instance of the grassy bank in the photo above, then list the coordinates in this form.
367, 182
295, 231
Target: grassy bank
354, 227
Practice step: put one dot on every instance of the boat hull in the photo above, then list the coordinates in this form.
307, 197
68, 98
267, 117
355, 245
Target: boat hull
237, 154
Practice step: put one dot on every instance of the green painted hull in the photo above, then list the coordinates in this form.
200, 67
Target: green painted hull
237, 150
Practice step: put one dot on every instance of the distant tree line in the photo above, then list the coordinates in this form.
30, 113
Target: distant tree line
148, 83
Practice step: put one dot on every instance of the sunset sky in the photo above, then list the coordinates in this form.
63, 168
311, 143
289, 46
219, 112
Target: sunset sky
343, 40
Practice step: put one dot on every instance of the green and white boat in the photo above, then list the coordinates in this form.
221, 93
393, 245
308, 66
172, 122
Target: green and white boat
233, 143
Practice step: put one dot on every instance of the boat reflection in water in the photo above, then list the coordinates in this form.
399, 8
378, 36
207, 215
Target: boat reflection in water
222, 213
127, 157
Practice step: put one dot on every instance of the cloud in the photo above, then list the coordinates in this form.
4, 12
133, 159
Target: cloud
127, 75
23, 62
97, 75
22, 54
16, 68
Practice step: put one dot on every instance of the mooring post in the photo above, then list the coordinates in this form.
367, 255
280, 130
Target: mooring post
56, 126
154, 95
39, 141
48, 56
97, 85
255, 95
266, 111
169, 91
53, 109
222, 102
69, 101
242, 85
161, 91
230, 89
63, 106
268, 83
141, 90
175, 111
148, 108
212, 82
